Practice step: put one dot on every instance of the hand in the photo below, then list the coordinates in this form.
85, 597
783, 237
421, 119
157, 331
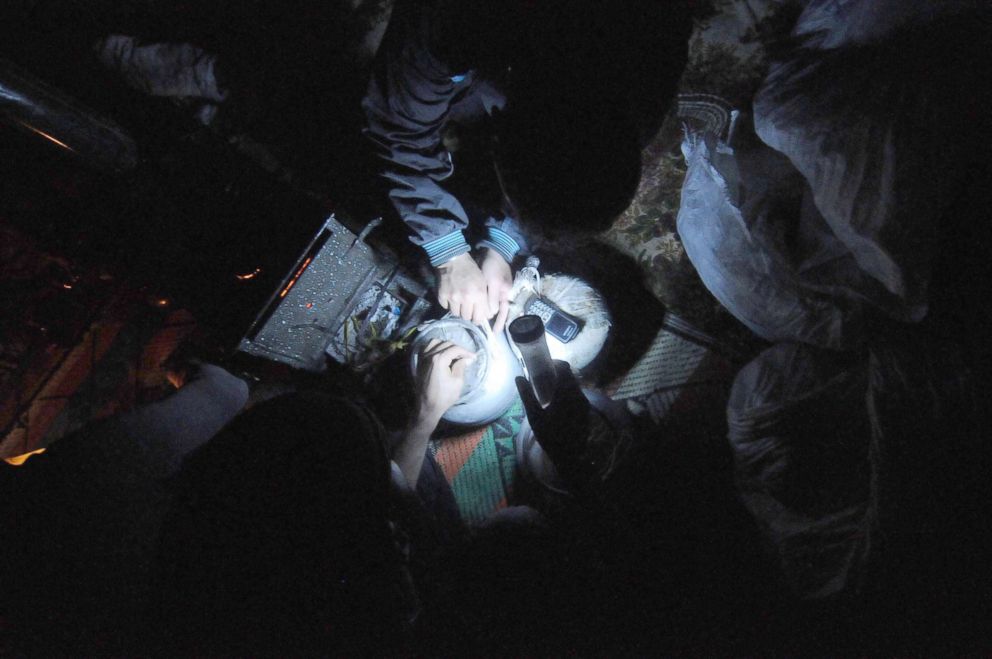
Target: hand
462, 289
440, 377
562, 427
499, 281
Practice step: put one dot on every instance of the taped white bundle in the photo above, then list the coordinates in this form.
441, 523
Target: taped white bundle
573, 296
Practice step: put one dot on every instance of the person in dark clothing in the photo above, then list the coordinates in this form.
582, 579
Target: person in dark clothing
294, 534
556, 92
79, 523
290, 532
279, 541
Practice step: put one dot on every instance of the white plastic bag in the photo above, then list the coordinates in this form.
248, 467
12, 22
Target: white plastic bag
868, 108
800, 433
737, 235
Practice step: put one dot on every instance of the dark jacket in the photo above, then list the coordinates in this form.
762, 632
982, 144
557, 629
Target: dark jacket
412, 95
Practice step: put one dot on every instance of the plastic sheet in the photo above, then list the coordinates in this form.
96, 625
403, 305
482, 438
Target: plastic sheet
736, 234
800, 433
868, 109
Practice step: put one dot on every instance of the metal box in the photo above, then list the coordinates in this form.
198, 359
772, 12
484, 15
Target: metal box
343, 300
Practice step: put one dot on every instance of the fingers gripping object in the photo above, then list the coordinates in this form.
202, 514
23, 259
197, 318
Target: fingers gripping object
562, 425
441, 376
487, 390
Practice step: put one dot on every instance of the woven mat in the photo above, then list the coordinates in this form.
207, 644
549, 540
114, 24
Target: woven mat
683, 371
481, 465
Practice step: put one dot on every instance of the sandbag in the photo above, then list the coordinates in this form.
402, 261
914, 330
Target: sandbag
870, 107
866, 470
831, 217
829, 24
800, 435
749, 226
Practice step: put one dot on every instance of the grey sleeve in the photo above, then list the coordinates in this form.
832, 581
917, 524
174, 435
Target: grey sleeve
406, 106
503, 235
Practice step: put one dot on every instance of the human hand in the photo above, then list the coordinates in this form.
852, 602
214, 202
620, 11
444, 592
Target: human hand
499, 281
564, 423
462, 289
440, 377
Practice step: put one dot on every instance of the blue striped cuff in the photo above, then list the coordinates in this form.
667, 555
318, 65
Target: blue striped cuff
502, 242
443, 249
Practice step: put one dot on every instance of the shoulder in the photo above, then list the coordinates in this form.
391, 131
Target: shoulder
413, 40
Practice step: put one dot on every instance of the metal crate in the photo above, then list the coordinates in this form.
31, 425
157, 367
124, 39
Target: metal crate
343, 300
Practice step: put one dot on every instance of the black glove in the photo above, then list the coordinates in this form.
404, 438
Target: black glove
562, 427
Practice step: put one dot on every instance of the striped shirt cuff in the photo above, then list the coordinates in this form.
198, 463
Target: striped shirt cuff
502, 242
443, 249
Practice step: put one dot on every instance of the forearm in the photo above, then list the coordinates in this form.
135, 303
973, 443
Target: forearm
434, 218
440, 376
409, 454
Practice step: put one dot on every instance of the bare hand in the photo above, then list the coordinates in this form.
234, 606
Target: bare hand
440, 377
499, 281
462, 289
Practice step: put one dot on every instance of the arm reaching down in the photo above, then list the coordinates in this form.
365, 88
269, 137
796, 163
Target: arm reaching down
406, 108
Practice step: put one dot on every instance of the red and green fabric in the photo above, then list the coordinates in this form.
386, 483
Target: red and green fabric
480, 465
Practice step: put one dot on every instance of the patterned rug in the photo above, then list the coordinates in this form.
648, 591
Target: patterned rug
481, 465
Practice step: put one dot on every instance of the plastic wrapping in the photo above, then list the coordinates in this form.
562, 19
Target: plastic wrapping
734, 232
799, 431
868, 109
490, 386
